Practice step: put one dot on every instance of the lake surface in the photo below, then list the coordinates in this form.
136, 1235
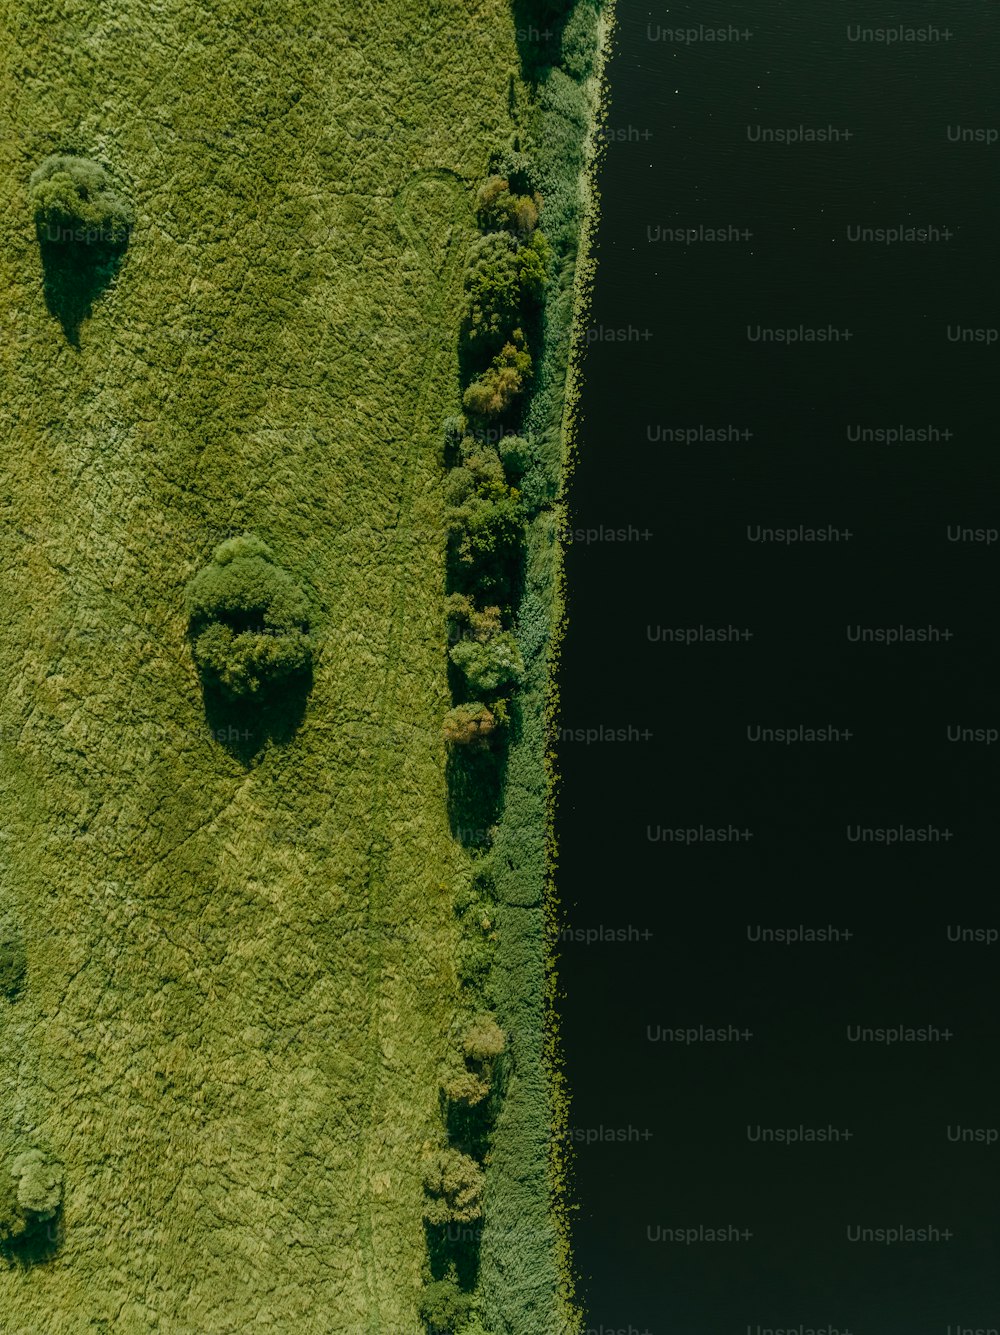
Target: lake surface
785, 629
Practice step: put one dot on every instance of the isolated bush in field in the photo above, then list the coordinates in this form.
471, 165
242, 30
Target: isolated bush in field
484, 1039
445, 1308
75, 205
505, 379
249, 620
489, 665
467, 1088
453, 1183
12, 970
469, 725
30, 1194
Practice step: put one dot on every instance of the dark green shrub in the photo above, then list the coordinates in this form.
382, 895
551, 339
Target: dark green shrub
516, 454
492, 291
485, 522
249, 620
504, 283
30, 1194
469, 725
445, 1308
489, 665
493, 393
498, 209
453, 1183
12, 969
514, 167
74, 204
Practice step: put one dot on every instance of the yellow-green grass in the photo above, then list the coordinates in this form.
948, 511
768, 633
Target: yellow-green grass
240, 976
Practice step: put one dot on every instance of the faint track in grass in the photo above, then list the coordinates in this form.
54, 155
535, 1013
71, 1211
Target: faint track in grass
447, 268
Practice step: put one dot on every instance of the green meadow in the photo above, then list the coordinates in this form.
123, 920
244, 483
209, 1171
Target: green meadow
240, 947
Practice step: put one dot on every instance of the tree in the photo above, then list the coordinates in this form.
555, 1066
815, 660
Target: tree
489, 665
444, 1307
484, 1039
75, 205
249, 620
30, 1194
453, 1183
492, 394
497, 208
469, 725
467, 1088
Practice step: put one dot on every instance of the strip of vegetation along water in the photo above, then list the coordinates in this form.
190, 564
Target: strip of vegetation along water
525, 1275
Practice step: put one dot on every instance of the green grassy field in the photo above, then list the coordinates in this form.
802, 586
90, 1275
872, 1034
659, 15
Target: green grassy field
240, 968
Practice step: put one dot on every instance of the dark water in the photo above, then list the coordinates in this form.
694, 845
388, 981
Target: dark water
670, 1123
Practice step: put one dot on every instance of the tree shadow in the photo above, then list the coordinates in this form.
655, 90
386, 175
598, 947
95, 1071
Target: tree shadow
539, 28
245, 727
477, 779
35, 1247
74, 274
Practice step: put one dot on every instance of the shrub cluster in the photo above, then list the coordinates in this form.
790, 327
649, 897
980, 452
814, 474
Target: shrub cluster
453, 1186
504, 286
75, 205
445, 1308
30, 1195
249, 621
12, 969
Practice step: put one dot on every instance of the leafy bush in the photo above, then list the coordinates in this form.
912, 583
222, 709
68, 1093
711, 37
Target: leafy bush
485, 521
249, 620
504, 282
74, 204
489, 665
467, 1088
444, 1307
484, 1039
30, 1194
516, 454
454, 1185
494, 392
498, 209
466, 621
469, 725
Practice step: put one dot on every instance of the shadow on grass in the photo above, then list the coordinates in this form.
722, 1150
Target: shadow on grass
74, 276
245, 727
454, 1249
477, 778
35, 1247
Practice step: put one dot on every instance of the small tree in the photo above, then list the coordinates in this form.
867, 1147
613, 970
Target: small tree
249, 620
75, 205
467, 1088
30, 1194
453, 1183
445, 1308
492, 394
498, 208
469, 725
489, 665
484, 1039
